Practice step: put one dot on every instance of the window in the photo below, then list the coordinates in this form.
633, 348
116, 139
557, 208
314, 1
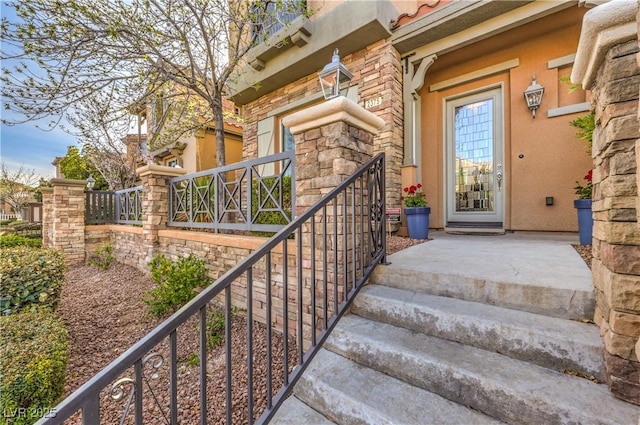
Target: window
286, 139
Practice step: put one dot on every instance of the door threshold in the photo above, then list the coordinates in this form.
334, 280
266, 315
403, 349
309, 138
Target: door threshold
480, 231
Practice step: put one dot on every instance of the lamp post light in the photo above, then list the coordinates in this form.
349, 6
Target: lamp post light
91, 182
334, 78
533, 96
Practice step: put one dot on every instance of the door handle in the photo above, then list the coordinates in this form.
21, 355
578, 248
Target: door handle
499, 176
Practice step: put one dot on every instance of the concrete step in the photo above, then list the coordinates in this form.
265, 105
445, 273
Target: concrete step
350, 393
551, 342
504, 272
501, 387
295, 412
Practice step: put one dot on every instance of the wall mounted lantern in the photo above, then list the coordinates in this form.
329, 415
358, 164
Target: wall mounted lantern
334, 78
91, 182
533, 96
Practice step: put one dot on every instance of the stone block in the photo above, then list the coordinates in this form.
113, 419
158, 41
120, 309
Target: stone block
619, 345
623, 163
615, 186
623, 65
624, 389
617, 232
625, 323
623, 259
622, 292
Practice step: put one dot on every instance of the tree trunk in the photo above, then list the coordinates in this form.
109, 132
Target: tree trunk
218, 119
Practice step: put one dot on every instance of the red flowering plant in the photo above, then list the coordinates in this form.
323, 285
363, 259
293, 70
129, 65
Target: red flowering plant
584, 192
414, 196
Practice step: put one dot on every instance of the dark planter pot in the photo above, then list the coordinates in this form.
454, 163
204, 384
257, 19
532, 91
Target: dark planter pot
585, 220
418, 222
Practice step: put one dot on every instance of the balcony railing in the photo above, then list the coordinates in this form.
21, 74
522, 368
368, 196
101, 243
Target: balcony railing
269, 18
295, 290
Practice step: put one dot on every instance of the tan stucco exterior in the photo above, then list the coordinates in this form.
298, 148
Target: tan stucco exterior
542, 156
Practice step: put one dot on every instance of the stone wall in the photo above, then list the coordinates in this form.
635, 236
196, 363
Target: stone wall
616, 234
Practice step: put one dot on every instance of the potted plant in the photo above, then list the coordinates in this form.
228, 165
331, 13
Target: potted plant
585, 126
417, 211
583, 206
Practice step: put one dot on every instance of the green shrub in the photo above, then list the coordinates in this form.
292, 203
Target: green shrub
261, 199
7, 241
176, 283
102, 257
33, 360
6, 222
30, 277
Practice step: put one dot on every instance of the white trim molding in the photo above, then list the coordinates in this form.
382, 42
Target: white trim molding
475, 75
569, 109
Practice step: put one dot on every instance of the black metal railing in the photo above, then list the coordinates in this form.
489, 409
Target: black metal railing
290, 291
254, 195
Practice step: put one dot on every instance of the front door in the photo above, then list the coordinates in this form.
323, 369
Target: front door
474, 160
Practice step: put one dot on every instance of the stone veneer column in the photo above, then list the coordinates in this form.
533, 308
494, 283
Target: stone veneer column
64, 215
607, 65
47, 215
155, 206
332, 140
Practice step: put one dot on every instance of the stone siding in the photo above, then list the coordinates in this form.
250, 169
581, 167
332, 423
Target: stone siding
616, 233
377, 71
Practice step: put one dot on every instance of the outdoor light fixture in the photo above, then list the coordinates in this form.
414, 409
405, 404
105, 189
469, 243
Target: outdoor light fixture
91, 182
334, 77
533, 96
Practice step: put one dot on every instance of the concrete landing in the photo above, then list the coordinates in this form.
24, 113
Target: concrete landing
537, 273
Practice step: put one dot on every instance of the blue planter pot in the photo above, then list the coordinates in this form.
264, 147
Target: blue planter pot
585, 220
418, 222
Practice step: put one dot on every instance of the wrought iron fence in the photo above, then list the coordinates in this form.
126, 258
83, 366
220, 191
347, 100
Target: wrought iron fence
122, 206
251, 195
289, 292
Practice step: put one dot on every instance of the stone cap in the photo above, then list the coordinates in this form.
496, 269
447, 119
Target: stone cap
603, 27
160, 170
68, 182
334, 110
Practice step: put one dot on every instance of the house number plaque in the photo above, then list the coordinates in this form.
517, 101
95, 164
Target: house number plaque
370, 103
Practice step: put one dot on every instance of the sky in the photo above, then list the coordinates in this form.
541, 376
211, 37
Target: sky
25, 144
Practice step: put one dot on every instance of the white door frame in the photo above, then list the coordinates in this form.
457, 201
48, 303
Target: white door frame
494, 215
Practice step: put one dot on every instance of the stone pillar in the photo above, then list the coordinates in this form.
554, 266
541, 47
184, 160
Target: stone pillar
64, 215
332, 140
47, 216
607, 65
155, 206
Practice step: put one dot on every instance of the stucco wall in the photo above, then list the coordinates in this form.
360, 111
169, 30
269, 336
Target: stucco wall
552, 158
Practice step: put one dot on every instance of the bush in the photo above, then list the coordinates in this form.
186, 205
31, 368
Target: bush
103, 257
7, 241
6, 222
33, 360
30, 277
261, 198
176, 283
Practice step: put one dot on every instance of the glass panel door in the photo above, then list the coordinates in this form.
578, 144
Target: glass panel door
475, 184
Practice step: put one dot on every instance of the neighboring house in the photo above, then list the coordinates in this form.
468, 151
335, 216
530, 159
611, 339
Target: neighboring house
448, 78
194, 152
